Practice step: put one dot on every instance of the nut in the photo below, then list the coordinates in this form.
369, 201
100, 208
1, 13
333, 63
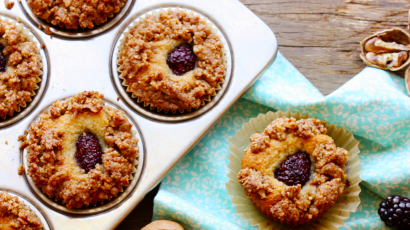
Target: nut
163, 225
387, 49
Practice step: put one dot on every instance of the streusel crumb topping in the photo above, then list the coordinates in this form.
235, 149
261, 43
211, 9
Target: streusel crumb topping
15, 215
143, 61
20, 68
51, 147
297, 204
75, 13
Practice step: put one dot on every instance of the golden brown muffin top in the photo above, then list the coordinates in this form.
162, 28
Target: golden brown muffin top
300, 203
52, 150
143, 64
75, 13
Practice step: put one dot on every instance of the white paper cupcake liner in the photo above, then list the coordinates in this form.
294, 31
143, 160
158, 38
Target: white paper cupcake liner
156, 14
29, 37
334, 217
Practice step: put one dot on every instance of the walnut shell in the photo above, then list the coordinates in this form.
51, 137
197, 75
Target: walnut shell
396, 35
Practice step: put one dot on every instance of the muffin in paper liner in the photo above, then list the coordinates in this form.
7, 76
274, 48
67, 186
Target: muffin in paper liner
119, 123
15, 202
334, 218
190, 74
20, 51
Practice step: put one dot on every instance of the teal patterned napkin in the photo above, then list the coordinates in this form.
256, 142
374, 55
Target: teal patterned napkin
374, 106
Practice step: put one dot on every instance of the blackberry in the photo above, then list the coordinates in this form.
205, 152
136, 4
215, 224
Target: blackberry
88, 152
395, 212
3, 60
294, 170
182, 59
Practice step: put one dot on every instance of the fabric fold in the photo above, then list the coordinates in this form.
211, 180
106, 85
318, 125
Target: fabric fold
373, 106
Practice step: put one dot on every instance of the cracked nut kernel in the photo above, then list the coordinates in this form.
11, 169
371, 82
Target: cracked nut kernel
387, 49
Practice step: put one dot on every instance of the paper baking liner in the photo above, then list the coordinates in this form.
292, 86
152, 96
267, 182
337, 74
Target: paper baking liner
156, 14
99, 206
334, 217
29, 38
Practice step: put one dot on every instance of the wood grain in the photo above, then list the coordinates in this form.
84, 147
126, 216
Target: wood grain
321, 39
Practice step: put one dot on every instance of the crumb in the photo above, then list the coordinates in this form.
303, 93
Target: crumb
22, 137
7, 143
18, 19
40, 27
51, 36
118, 98
8, 4
47, 30
42, 46
21, 170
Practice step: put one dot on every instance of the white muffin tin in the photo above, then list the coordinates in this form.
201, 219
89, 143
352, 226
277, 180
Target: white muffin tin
83, 61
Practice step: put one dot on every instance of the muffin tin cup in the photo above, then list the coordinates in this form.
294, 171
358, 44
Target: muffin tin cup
31, 207
151, 111
77, 64
333, 218
31, 35
107, 204
79, 33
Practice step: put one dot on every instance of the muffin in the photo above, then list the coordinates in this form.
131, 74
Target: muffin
20, 67
172, 60
15, 215
81, 151
76, 13
293, 172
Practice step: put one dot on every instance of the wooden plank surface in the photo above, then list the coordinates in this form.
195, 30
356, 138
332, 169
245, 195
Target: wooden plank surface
321, 39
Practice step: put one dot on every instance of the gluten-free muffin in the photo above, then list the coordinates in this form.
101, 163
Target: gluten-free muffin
15, 215
81, 151
172, 60
75, 13
20, 67
293, 172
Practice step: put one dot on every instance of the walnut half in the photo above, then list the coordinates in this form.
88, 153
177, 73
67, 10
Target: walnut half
388, 49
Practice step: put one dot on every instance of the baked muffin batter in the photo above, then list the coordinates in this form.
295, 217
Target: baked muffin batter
20, 68
14, 215
275, 166
54, 150
156, 61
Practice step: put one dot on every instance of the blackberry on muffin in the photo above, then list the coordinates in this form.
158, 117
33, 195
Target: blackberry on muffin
293, 172
81, 151
173, 61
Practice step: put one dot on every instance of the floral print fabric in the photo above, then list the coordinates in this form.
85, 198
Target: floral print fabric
374, 106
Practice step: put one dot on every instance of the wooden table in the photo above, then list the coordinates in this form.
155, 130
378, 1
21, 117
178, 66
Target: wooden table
321, 39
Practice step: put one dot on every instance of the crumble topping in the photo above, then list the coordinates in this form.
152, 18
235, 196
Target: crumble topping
297, 204
75, 13
14, 215
51, 147
143, 61
9, 4
21, 73
20, 170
